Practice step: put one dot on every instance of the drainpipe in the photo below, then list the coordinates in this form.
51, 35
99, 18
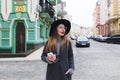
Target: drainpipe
56, 8
36, 36
44, 6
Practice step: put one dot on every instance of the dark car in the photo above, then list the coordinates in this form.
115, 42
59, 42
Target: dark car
82, 41
113, 39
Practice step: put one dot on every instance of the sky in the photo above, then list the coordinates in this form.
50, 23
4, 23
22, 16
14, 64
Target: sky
81, 11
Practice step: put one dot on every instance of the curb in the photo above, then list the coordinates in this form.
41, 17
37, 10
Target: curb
36, 55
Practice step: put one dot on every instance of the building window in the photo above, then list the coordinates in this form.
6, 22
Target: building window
41, 31
19, 0
0, 38
0, 6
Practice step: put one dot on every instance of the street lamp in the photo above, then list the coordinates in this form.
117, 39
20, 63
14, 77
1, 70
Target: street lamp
56, 8
81, 29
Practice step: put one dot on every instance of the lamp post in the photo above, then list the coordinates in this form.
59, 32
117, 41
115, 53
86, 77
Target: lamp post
56, 9
81, 30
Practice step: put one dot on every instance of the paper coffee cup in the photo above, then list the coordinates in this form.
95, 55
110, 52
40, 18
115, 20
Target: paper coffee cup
50, 54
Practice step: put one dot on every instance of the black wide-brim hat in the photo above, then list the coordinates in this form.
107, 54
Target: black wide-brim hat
55, 24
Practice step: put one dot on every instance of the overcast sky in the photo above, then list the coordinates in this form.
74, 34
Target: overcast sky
81, 11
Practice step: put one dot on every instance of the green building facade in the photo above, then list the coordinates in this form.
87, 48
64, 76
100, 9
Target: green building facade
24, 24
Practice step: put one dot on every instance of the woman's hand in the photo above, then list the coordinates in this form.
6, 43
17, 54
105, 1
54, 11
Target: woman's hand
51, 57
69, 71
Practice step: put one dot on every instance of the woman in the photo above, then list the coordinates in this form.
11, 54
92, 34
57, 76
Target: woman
58, 52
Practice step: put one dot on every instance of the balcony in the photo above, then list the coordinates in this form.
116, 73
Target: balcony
115, 32
53, 2
47, 11
112, 18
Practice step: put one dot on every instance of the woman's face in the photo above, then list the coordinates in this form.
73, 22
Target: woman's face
61, 30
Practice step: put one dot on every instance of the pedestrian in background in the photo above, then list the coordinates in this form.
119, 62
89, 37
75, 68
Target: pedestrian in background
58, 53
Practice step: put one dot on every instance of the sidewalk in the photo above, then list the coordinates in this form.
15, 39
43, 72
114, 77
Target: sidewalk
36, 55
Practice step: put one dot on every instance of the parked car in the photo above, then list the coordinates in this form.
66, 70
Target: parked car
95, 37
113, 39
73, 37
89, 36
102, 38
82, 41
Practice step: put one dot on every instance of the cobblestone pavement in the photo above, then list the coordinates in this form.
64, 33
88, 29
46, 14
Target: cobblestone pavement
99, 62
22, 70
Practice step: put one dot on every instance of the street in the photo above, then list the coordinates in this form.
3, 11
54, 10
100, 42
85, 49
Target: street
100, 61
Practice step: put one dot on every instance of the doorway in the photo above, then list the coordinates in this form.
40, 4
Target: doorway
20, 38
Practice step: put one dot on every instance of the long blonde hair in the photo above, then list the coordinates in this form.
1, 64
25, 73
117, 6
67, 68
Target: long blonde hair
52, 43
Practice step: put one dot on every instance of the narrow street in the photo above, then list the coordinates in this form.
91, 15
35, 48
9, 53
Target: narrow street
26, 25
100, 61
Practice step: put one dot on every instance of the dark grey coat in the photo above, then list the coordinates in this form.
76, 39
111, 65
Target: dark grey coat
56, 71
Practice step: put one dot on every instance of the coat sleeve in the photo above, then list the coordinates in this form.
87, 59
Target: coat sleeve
44, 56
70, 56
